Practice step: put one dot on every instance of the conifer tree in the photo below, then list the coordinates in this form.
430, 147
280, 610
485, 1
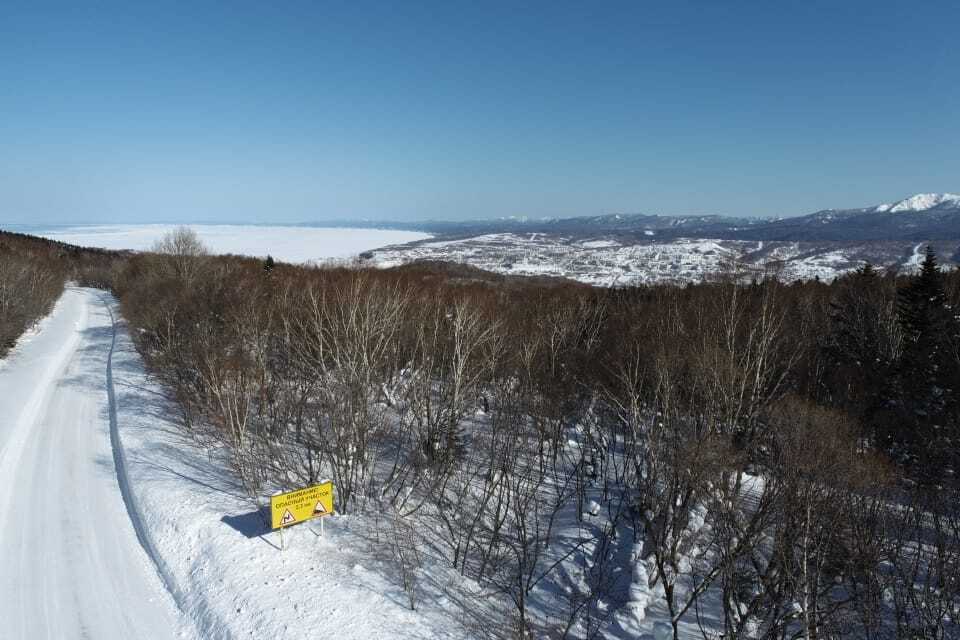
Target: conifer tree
860, 346
922, 304
925, 369
866, 271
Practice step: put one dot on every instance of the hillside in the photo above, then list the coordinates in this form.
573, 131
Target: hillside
511, 457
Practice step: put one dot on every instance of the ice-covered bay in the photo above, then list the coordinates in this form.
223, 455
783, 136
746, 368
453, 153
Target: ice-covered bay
289, 244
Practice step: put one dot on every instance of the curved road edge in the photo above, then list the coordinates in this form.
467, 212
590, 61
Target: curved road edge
200, 613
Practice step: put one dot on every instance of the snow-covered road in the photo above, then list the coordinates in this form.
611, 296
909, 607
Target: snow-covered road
71, 564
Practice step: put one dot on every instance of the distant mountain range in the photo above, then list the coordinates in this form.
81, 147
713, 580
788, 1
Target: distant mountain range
925, 216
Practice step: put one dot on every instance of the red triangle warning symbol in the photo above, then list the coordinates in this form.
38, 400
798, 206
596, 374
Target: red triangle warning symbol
319, 508
287, 518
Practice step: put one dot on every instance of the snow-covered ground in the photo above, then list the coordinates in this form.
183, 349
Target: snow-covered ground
118, 524
289, 244
916, 259
227, 566
605, 262
72, 565
618, 260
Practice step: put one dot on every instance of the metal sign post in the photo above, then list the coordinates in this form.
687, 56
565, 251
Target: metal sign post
293, 507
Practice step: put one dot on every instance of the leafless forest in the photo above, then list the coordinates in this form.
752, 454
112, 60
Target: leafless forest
31, 280
786, 453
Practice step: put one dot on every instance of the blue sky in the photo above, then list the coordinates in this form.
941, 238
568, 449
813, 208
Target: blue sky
285, 112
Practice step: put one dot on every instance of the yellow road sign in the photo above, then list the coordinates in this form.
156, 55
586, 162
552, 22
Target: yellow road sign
300, 505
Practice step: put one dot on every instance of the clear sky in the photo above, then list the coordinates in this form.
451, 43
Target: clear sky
284, 111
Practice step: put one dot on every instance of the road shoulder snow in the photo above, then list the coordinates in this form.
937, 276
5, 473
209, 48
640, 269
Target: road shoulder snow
72, 564
226, 569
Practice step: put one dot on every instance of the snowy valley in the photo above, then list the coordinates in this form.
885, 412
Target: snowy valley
626, 250
612, 261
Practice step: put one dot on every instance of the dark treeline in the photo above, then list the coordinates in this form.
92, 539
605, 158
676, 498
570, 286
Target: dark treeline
32, 275
788, 451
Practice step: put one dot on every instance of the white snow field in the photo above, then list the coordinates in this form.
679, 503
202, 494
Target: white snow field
288, 244
71, 564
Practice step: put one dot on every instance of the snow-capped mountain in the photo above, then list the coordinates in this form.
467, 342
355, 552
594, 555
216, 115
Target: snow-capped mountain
932, 216
921, 202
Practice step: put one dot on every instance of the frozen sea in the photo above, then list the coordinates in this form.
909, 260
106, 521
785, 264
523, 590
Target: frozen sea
288, 244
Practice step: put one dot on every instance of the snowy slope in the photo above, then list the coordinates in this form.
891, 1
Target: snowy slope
227, 565
118, 524
920, 202
72, 563
234, 581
